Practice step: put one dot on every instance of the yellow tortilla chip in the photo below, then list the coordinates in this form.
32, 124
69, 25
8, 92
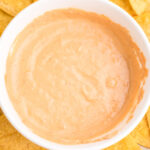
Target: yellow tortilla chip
127, 143
125, 5
17, 142
5, 127
144, 21
1, 112
139, 6
148, 9
148, 6
148, 117
141, 134
13, 7
10, 139
4, 20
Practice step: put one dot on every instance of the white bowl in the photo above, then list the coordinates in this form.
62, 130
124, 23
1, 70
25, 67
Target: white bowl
107, 8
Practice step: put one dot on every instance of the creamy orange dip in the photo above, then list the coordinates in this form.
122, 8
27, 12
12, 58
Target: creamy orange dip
73, 76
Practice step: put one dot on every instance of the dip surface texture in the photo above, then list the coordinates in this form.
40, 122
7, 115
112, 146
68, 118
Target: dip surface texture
73, 76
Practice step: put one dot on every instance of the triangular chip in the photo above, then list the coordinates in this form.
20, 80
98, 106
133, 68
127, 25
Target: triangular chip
5, 127
148, 117
148, 6
1, 112
125, 5
141, 134
127, 143
144, 21
139, 6
10, 139
17, 142
4, 20
13, 7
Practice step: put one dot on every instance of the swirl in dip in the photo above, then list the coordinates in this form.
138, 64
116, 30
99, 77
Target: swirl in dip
74, 76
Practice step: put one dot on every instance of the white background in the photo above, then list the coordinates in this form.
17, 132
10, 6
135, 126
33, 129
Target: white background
145, 148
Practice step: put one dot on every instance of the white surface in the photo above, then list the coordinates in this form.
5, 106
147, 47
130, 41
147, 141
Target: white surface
102, 7
145, 148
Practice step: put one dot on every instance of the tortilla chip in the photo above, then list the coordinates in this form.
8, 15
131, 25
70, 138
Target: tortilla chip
4, 20
1, 112
141, 134
139, 6
17, 142
144, 21
148, 7
125, 5
5, 127
10, 139
127, 143
148, 117
13, 7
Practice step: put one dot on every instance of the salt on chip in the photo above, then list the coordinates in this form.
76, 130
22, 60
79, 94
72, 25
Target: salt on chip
13, 7
141, 134
139, 6
144, 21
125, 5
127, 143
148, 117
4, 20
